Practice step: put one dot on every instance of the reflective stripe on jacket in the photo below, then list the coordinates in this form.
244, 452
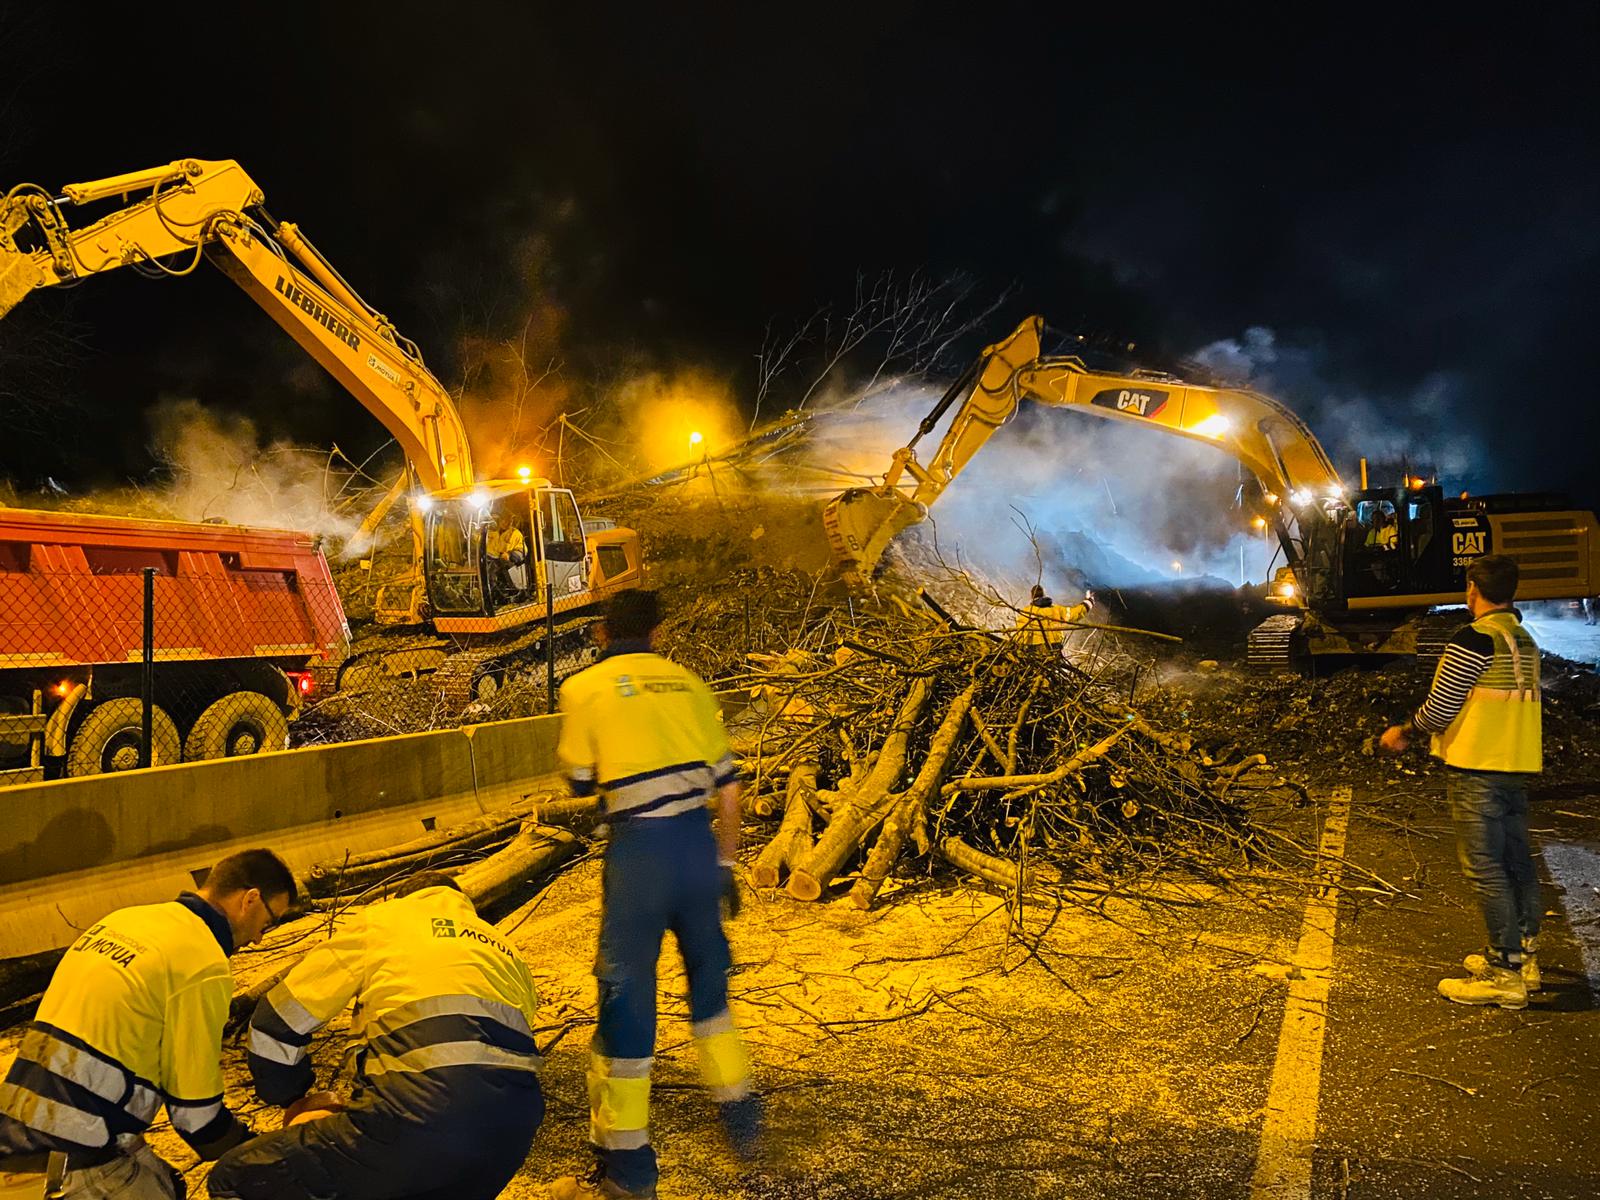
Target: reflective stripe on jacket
132, 1020
1500, 725
646, 733
436, 987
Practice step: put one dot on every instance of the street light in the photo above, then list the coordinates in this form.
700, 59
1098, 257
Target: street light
696, 438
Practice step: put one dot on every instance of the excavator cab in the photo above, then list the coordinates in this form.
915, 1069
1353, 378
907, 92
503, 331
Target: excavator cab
495, 549
1390, 544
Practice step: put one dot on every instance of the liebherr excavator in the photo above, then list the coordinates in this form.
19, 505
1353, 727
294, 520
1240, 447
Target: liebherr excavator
174, 216
1355, 593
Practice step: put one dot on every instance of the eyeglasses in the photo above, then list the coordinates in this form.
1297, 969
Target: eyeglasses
275, 918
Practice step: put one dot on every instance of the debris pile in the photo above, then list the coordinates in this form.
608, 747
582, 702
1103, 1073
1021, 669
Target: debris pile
906, 736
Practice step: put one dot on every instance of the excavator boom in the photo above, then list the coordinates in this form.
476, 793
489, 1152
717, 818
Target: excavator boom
1257, 430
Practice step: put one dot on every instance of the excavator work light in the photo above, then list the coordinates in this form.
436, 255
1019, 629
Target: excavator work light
696, 438
524, 473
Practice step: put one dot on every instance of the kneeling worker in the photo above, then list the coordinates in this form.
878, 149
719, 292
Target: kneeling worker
447, 1099
1044, 623
132, 1020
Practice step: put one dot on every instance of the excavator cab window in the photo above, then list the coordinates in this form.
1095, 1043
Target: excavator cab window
561, 541
455, 583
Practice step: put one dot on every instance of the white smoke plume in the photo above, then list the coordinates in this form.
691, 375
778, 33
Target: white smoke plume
1413, 428
1062, 497
220, 471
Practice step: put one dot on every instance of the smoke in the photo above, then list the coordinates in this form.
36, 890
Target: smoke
1408, 429
220, 471
1062, 496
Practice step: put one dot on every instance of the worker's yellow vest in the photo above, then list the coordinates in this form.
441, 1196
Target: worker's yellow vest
1500, 727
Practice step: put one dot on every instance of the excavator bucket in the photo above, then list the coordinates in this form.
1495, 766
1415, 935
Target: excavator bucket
19, 271
860, 525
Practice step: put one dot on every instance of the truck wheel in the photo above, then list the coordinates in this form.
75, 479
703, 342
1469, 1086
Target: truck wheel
238, 724
108, 739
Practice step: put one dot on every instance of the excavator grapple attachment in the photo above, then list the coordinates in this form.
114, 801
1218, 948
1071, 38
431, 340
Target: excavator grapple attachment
860, 524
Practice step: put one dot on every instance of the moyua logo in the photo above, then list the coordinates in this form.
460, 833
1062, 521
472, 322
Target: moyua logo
444, 927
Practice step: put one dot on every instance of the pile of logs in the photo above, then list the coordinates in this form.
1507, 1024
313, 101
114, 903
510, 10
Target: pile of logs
912, 736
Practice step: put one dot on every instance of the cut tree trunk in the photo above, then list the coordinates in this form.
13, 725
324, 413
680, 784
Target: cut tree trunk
913, 804
793, 839
863, 808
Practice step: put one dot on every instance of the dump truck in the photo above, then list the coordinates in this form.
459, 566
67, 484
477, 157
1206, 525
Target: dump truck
242, 618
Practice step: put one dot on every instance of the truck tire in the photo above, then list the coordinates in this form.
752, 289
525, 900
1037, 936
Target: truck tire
238, 724
108, 739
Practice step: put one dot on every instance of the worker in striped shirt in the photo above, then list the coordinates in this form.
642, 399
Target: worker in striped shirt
1483, 717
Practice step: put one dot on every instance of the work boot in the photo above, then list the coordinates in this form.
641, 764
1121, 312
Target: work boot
1498, 985
1478, 964
741, 1122
592, 1186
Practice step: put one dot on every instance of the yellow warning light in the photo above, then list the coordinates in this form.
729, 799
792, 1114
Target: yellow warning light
1259, 522
63, 687
524, 473
696, 438
1416, 481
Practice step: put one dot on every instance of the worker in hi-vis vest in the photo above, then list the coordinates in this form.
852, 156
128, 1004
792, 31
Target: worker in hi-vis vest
446, 1100
1042, 622
132, 1020
647, 735
1484, 718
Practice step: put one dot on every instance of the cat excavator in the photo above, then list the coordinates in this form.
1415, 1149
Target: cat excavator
477, 612
1364, 567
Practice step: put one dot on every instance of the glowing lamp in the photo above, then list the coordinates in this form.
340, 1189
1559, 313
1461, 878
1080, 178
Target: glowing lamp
1285, 589
1259, 522
696, 438
479, 499
1213, 426
424, 503
524, 473
1300, 499
1177, 566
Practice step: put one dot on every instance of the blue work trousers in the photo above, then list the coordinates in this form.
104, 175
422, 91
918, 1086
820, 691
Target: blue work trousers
1490, 811
661, 874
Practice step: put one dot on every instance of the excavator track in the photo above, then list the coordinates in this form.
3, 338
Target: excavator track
477, 673
1271, 643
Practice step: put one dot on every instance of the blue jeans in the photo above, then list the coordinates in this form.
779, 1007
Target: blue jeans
1490, 811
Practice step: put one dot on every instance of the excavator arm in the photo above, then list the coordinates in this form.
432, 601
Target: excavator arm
194, 209
1274, 444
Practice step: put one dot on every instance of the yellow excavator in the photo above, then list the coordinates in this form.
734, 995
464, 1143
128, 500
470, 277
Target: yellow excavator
1363, 567
483, 609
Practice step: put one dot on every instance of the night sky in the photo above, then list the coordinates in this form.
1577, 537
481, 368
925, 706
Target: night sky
1409, 202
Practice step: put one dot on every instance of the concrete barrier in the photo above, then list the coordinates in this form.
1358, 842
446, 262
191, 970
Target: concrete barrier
73, 849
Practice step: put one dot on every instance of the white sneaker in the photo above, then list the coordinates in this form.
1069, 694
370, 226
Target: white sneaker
1497, 985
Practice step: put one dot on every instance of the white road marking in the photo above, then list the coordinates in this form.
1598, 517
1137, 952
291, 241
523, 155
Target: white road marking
1577, 869
1289, 1133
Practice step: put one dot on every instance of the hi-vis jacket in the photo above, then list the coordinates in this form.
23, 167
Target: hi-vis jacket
435, 988
1483, 710
646, 733
1047, 624
132, 1020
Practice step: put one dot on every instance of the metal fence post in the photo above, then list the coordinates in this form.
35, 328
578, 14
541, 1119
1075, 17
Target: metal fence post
147, 682
550, 646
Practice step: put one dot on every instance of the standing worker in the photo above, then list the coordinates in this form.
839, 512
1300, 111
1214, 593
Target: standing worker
133, 1020
447, 1100
1043, 622
1484, 717
647, 734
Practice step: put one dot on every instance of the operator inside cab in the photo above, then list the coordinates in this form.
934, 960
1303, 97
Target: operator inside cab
506, 553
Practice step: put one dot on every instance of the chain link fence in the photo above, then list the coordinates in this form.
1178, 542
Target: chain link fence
117, 657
